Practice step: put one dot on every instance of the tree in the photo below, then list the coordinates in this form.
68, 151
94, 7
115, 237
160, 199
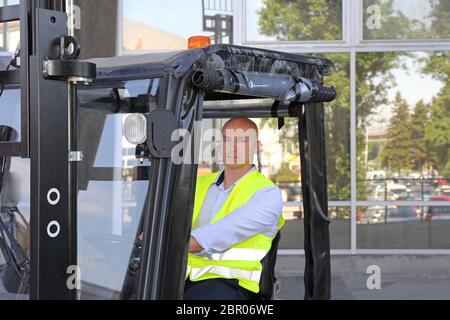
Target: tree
301, 20
440, 16
396, 152
420, 152
437, 132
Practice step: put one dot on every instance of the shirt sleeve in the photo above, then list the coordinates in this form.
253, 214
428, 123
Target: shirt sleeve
260, 214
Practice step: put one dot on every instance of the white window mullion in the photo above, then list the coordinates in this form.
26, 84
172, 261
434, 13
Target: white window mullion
239, 26
353, 151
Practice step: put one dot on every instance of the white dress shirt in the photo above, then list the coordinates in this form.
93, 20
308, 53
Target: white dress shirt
260, 214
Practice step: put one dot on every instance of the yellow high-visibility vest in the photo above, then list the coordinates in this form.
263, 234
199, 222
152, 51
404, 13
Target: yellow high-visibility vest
243, 260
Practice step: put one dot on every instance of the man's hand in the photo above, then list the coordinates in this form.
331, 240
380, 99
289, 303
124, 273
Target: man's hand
194, 246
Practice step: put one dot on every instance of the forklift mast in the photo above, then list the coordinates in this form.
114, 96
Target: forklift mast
47, 75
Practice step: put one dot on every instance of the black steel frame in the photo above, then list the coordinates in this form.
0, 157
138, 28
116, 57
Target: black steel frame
48, 131
311, 132
167, 212
166, 218
171, 191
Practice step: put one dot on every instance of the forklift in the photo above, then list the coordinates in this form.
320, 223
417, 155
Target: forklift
92, 204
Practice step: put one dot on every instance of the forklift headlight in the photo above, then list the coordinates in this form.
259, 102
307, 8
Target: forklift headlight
135, 129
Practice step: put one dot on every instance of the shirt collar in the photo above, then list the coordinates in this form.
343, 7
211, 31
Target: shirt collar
220, 179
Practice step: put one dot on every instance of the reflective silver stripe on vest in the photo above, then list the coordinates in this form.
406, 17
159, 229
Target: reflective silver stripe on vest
229, 273
240, 254
188, 270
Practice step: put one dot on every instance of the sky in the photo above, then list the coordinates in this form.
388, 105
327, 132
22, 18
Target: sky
413, 85
252, 20
185, 21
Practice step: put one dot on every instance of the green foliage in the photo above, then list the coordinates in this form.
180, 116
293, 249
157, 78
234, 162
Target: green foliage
437, 64
420, 151
301, 19
337, 125
437, 131
440, 27
395, 154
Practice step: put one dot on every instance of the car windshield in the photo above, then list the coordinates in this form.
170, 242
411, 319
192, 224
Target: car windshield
401, 213
441, 210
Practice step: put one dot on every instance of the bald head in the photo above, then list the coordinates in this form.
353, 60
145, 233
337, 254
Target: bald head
240, 137
241, 123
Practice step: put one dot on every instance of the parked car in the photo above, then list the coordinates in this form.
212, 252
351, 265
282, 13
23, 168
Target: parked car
370, 215
438, 213
393, 191
422, 193
443, 190
380, 214
401, 214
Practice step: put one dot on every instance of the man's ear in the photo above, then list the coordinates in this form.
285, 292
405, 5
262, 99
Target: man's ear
258, 146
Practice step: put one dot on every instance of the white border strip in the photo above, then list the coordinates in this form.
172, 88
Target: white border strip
339, 252
377, 203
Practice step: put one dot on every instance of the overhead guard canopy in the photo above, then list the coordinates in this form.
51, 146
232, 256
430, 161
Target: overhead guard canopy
239, 71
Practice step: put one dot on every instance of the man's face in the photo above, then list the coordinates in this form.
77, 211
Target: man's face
239, 144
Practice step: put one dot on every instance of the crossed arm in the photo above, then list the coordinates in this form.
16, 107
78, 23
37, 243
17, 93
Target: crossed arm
259, 215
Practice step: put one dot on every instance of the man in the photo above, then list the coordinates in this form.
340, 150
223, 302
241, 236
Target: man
237, 214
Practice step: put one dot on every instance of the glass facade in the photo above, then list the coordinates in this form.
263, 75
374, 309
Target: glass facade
387, 133
398, 133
